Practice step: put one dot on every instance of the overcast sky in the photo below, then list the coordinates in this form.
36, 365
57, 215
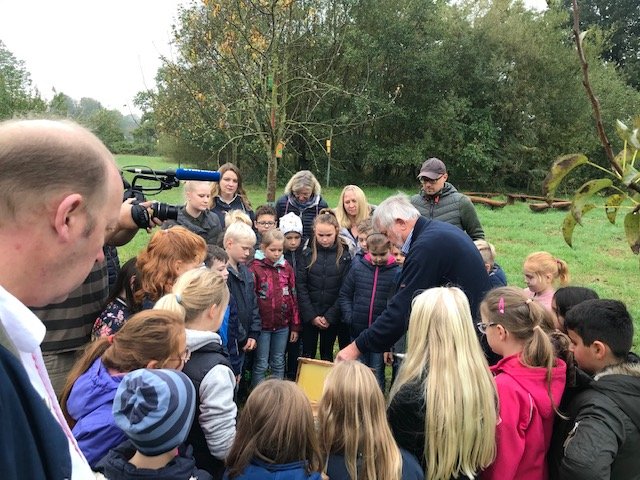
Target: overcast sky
107, 50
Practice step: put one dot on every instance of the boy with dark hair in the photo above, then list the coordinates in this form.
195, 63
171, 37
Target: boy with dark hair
604, 416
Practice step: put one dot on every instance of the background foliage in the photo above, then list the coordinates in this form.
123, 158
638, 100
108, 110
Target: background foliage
488, 86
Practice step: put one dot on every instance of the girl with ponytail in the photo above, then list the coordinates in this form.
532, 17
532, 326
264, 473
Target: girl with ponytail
200, 296
530, 381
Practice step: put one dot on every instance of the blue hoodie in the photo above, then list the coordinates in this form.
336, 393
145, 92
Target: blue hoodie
259, 470
89, 404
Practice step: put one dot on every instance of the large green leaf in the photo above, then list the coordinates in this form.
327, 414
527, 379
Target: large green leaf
632, 230
569, 223
584, 194
560, 169
612, 205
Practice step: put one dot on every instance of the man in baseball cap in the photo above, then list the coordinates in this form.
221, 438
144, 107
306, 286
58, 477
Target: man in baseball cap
440, 200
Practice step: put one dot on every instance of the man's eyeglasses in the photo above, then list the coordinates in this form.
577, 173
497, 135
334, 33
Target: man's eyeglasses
482, 327
430, 180
266, 224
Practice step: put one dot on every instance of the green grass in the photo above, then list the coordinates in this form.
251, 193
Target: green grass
600, 259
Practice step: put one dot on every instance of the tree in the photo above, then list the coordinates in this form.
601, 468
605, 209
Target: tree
620, 21
261, 71
16, 94
63, 105
86, 108
107, 126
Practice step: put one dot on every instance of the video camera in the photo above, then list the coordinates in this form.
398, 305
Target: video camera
162, 180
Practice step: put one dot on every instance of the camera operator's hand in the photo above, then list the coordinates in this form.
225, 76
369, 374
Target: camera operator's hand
156, 221
127, 228
125, 221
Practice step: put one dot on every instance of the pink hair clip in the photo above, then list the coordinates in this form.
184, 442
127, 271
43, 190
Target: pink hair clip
501, 305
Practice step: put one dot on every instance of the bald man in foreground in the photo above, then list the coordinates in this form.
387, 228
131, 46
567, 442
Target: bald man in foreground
60, 199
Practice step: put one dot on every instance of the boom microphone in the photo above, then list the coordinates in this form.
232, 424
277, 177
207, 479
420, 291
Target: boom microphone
196, 174
181, 173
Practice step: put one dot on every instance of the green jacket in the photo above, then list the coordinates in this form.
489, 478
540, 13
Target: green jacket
452, 207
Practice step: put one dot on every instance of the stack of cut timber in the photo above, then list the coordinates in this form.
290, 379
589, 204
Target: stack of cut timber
487, 201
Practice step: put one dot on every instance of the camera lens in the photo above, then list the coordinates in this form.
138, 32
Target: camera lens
164, 211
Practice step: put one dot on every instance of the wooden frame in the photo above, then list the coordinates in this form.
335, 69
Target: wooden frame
310, 377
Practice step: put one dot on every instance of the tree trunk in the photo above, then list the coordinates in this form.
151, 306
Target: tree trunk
272, 176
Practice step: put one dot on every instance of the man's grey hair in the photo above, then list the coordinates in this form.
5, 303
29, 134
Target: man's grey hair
397, 207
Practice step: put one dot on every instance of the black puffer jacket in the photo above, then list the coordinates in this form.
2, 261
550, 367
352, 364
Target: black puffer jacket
605, 439
319, 286
221, 208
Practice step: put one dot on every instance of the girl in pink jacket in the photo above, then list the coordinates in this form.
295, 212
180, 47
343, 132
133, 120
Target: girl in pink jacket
529, 379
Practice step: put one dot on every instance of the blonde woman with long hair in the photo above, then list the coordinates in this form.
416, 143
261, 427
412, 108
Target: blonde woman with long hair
442, 406
355, 438
352, 209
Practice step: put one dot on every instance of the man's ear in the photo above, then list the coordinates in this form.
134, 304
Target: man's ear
67, 215
401, 223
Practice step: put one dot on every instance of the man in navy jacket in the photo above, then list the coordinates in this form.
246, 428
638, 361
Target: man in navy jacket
437, 254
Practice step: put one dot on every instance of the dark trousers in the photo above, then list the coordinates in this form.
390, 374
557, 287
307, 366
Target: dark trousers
310, 334
344, 337
293, 352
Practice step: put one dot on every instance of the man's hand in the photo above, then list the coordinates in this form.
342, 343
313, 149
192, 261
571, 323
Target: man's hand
350, 352
293, 337
126, 229
250, 345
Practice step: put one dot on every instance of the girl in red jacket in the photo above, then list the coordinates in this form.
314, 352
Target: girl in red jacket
275, 285
529, 379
